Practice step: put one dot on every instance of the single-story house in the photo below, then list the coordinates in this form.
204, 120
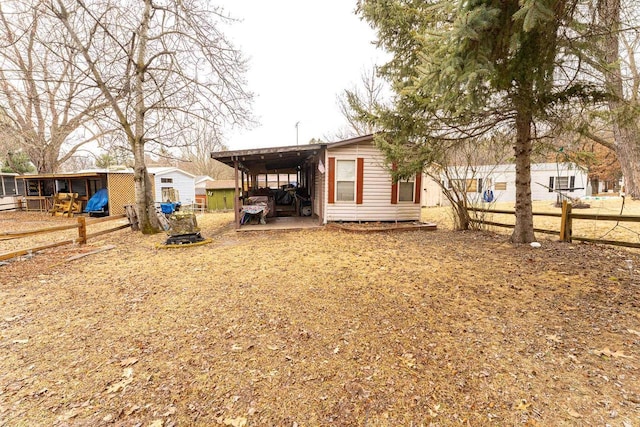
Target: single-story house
173, 184
201, 182
10, 197
347, 180
549, 181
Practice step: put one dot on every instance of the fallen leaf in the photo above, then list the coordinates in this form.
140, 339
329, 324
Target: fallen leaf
156, 423
170, 411
236, 347
573, 413
553, 338
522, 405
336, 350
129, 361
114, 388
235, 422
24, 341
127, 372
616, 354
631, 331
273, 347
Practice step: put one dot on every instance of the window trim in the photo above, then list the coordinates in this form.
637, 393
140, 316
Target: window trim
355, 180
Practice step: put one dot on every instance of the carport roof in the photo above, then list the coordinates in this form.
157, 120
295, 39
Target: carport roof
273, 158
280, 157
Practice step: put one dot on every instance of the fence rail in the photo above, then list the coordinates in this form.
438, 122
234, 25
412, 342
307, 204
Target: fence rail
566, 223
80, 225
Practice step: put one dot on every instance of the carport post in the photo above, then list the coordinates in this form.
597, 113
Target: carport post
236, 197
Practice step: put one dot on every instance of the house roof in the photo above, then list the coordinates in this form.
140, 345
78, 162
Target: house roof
221, 184
163, 170
280, 158
203, 178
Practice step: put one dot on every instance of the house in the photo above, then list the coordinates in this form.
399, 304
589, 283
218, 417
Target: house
201, 182
548, 182
173, 184
10, 198
347, 180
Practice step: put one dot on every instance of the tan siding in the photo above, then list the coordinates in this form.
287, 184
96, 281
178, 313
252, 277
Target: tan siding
376, 204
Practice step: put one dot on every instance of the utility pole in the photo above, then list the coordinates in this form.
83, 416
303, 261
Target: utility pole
297, 125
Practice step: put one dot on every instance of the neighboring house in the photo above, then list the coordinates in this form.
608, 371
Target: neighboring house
10, 197
341, 181
548, 182
173, 184
8, 186
201, 182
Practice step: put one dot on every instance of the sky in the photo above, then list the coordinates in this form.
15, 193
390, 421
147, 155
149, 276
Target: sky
302, 54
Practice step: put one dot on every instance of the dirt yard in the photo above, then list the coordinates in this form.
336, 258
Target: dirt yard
326, 327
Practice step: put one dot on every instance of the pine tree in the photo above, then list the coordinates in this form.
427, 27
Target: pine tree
463, 69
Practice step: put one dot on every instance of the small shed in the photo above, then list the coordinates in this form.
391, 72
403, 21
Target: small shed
220, 195
169, 180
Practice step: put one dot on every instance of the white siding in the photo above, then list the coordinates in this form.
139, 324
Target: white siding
376, 202
540, 174
182, 182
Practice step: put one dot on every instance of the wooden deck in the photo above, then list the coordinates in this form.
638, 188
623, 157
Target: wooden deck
283, 223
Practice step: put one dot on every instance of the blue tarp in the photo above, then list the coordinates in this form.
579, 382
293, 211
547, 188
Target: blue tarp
98, 201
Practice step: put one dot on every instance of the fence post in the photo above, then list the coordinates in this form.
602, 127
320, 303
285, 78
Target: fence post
82, 230
566, 223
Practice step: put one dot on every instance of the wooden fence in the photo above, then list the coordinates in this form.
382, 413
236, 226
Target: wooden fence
80, 225
567, 216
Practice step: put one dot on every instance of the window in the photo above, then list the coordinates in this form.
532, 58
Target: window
501, 186
345, 180
166, 180
459, 185
9, 186
562, 182
405, 191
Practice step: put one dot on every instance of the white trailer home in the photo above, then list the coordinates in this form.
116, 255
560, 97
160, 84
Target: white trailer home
169, 180
548, 181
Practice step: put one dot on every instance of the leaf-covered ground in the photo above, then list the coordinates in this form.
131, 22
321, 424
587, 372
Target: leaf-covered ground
320, 327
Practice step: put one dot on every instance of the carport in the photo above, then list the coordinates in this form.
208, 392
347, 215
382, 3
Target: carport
282, 177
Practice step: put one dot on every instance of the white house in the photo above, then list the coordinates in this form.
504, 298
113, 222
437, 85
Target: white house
168, 180
324, 182
548, 180
358, 185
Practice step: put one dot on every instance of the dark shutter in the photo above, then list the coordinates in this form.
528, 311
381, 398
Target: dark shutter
572, 183
331, 177
550, 184
359, 180
394, 188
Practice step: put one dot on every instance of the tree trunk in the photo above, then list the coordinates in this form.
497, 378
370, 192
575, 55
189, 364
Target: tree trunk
625, 128
144, 195
523, 230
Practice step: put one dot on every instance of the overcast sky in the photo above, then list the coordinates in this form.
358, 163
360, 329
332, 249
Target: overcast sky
302, 54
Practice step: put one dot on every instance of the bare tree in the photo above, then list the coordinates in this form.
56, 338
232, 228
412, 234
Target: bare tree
196, 156
44, 89
163, 66
366, 96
